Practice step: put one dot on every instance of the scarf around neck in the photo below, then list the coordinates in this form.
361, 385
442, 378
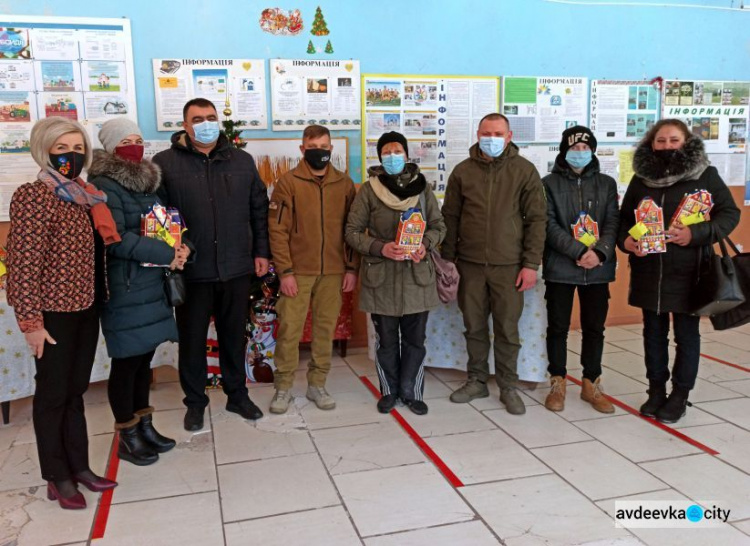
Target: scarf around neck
82, 193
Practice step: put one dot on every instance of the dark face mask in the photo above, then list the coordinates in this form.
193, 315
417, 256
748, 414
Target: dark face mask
318, 158
667, 156
68, 164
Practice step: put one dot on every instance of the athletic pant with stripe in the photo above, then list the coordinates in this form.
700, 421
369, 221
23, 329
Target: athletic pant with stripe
400, 354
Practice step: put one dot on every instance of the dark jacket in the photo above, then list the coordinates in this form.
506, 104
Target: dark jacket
568, 194
663, 282
389, 287
494, 211
224, 203
136, 318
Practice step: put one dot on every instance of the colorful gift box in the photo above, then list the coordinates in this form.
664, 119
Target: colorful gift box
3, 268
693, 209
411, 228
163, 224
651, 216
586, 230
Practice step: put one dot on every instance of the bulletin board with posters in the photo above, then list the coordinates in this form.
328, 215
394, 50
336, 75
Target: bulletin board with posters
239, 84
438, 115
79, 68
718, 112
541, 108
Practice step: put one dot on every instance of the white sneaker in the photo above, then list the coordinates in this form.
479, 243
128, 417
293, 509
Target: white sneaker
281, 401
320, 396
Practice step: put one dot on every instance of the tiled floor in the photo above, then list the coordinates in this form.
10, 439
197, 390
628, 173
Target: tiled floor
353, 476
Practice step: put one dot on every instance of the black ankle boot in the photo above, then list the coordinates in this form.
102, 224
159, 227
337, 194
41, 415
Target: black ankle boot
133, 448
657, 397
675, 407
159, 443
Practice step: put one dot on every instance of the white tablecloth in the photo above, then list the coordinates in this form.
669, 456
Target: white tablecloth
17, 367
446, 346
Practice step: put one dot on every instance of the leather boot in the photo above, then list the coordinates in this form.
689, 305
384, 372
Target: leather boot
159, 443
132, 447
657, 396
592, 393
555, 400
675, 406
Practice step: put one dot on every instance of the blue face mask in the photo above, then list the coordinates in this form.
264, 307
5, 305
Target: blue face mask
578, 159
491, 145
206, 132
394, 163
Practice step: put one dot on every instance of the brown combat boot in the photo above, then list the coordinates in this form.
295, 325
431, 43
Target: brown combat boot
555, 400
592, 392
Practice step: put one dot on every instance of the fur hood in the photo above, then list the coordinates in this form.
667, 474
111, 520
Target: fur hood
143, 177
688, 164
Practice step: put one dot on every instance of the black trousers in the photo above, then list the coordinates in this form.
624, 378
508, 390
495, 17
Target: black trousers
129, 384
687, 336
227, 302
594, 303
400, 353
62, 376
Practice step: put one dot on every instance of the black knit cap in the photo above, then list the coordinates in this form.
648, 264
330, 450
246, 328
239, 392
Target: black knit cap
574, 135
393, 136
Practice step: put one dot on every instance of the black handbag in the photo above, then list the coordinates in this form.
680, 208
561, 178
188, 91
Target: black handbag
174, 286
718, 289
741, 314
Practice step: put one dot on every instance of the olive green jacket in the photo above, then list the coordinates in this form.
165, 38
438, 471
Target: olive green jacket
393, 288
495, 211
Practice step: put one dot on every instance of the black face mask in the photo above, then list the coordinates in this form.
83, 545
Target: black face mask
667, 156
68, 164
318, 158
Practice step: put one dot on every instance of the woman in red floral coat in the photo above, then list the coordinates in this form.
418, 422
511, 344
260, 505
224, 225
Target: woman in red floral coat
51, 289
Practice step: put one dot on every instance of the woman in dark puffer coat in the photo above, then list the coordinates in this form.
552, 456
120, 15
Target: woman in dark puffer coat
136, 318
669, 163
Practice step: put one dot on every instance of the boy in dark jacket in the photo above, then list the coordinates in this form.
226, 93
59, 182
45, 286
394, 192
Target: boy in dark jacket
576, 189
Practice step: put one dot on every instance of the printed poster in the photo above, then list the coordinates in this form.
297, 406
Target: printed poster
541, 108
315, 92
73, 67
623, 111
714, 110
239, 84
439, 116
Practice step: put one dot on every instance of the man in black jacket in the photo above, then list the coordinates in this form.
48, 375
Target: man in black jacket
224, 203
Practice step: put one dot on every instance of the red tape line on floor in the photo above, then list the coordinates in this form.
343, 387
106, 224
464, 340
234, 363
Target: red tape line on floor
102, 512
426, 449
665, 428
720, 361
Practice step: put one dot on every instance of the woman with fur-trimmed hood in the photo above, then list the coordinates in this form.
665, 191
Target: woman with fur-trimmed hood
136, 318
669, 163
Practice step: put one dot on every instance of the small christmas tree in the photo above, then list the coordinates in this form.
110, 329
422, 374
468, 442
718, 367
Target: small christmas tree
319, 27
232, 130
310, 47
329, 47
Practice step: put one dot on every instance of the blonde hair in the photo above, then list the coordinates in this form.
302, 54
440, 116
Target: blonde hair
45, 133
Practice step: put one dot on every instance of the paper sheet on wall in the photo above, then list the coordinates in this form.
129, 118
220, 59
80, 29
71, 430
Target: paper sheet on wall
541, 108
716, 111
437, 114
623, 111
79, 68
241, 82
731, 167
309, 92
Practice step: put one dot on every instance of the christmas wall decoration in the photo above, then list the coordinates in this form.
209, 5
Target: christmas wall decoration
281, 22
329, 47
310, 48
319, 26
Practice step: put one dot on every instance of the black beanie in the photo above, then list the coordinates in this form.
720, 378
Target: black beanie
393, 136
574, 135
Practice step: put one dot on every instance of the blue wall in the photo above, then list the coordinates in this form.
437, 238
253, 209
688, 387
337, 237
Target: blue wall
476, 37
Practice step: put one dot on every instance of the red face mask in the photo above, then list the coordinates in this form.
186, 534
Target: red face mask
131, 152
